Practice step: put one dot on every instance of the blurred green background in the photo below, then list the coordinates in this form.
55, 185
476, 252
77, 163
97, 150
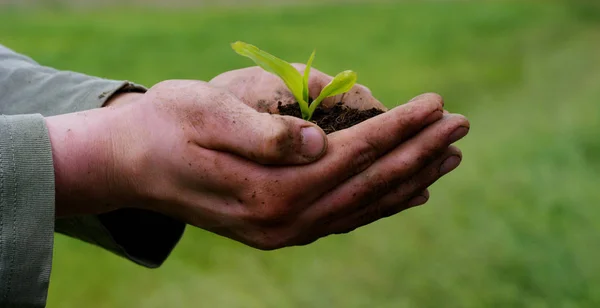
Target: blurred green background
517, 225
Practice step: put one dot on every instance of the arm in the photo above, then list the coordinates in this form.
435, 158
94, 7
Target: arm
28, 93
196, 152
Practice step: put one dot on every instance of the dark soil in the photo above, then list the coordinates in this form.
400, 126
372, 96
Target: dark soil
332, 119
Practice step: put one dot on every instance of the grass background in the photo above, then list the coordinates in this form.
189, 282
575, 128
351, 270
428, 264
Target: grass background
517, 225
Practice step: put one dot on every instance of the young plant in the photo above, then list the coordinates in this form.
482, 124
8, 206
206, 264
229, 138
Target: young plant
296, 83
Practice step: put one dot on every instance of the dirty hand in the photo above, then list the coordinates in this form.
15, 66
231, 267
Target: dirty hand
262, 90
199, 154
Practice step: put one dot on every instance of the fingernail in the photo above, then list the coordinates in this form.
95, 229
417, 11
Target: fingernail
416, 201
313, 142
449, 164
458, 133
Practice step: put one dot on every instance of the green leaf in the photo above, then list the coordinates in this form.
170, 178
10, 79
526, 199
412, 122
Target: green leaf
306, 76
290, 75
341, 83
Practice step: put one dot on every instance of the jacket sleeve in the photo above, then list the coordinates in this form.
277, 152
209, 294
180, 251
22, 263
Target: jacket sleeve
29, 91
26, 210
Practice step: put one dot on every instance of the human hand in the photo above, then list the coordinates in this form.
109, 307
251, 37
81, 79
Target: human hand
199, 154
263, 91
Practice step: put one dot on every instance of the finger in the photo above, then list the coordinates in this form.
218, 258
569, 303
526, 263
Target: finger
349, 224
227, 124
407, 195
420, 199
364, 218
396, 167
351, 151
407, 191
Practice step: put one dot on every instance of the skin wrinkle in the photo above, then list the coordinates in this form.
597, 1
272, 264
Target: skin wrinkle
366, 156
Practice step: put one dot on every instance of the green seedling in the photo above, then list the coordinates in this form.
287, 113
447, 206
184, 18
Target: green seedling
296, 83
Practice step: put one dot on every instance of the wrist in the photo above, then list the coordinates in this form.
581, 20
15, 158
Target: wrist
82, 153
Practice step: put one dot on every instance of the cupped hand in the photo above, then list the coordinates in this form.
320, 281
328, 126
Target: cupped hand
200, 154
263, 91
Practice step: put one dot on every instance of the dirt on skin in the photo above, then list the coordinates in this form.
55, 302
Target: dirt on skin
331, 119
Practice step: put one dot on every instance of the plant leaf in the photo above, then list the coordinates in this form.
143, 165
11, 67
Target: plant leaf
341, 83
290, 75
306, 76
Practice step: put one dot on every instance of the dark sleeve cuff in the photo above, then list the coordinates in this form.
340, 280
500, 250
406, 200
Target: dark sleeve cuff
144, 237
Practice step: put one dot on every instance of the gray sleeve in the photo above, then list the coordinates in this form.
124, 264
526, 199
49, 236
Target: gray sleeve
144, 237
26, 210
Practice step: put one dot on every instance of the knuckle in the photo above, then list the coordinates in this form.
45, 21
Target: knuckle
276, 141
421, 156
379, 185
365, 156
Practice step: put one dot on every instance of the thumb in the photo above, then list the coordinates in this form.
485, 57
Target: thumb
285, 140
268, 139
